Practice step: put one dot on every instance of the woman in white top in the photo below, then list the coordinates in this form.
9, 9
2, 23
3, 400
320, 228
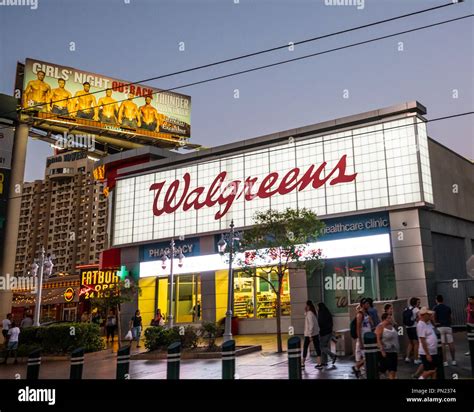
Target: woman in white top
311, 333
387, 340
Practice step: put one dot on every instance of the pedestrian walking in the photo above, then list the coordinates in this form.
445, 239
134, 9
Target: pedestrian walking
388, 308
12, 346
387, 340
136, 327
428, 348
470, 314
6, 324
372, 311
26, 322
158, 319
325, 333
410, 319
311, 333
442, 319
363, 325
110, 325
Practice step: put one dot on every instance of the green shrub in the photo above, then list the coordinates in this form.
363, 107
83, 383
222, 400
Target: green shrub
190, 339
25, 349
210, 331
157, 337
62, 338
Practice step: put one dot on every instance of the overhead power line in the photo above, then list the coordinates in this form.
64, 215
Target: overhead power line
253, 54
42, 192
281, 62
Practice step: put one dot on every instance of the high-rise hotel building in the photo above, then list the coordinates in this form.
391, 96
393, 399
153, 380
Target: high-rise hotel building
66, 213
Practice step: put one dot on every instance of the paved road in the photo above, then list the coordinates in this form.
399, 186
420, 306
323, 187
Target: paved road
260, 365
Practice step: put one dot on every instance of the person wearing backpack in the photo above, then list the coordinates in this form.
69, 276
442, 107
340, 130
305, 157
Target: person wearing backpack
410, 319
363, 325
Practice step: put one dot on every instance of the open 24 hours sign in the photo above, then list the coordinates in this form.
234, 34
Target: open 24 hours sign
97, 283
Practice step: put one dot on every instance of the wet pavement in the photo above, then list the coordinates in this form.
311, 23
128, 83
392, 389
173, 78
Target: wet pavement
266, 364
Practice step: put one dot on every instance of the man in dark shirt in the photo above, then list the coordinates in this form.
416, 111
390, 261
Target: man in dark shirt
443, 323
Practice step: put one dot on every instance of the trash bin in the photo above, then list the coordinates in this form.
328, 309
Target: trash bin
235, 325
344, 342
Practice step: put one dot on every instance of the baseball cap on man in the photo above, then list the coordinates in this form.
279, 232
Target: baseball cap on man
424, 310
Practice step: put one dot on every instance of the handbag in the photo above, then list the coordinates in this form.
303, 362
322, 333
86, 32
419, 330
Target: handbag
129, 335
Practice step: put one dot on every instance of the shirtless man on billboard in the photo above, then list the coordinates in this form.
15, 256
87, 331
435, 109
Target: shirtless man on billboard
37, 93
59, 100
108, 108
129, 115
150, 116
85, 104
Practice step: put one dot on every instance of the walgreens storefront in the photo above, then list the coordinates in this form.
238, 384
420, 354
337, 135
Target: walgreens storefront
359, 174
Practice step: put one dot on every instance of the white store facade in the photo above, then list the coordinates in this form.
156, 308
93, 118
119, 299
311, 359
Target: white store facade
368, 177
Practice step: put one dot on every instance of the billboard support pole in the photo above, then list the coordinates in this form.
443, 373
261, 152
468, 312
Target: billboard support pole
13, 212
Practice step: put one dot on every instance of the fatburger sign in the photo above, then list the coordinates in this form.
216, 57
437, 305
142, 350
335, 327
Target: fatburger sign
223, 193
98, 283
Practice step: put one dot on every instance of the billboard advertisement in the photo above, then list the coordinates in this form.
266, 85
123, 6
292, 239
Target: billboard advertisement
90, 99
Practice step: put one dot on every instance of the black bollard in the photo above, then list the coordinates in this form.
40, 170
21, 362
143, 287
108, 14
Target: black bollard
228, 359
123, 362
174, 357
440, 366
470, 341
294, 357
77, 363
371, 355
34, 362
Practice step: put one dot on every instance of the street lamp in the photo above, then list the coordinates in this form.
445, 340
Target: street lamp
45, 267
164, 259
222, 246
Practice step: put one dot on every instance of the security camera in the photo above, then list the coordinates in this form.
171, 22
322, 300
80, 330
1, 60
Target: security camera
404, 223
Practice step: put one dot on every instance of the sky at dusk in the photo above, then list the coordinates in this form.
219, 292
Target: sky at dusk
137, 39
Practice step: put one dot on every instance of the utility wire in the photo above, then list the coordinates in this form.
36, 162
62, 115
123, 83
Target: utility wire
271, 150
293, 60
245, 56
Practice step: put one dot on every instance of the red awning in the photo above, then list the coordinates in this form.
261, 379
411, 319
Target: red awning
109, 258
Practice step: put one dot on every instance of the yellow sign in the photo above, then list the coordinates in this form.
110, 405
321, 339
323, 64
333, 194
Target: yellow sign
96, 283
99, 172
69, 294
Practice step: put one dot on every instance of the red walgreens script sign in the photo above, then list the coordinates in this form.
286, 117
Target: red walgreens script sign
207, 197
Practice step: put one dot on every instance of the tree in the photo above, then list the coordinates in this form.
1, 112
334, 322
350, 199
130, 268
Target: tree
277, 240
125, 291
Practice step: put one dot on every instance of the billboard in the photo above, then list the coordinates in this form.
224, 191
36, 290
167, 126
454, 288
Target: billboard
89, 99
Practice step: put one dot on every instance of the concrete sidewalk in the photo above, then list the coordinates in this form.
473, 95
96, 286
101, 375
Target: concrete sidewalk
266, 364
